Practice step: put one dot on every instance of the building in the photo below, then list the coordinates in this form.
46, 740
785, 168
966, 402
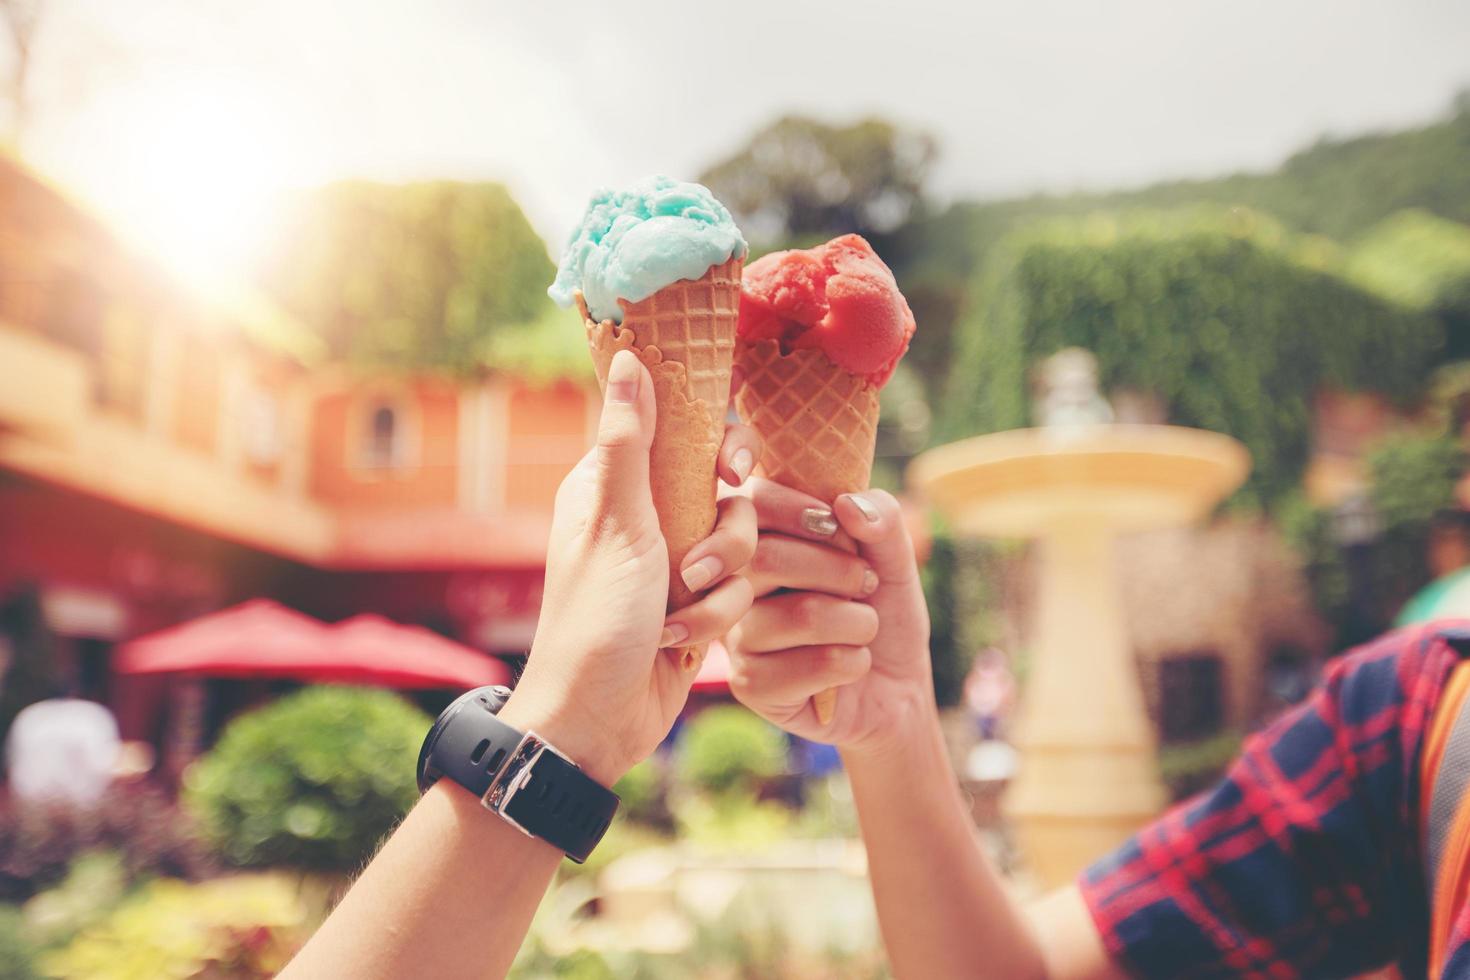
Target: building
161, 458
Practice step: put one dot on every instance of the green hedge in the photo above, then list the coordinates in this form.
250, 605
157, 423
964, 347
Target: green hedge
1231, 320
727, 748
313, 780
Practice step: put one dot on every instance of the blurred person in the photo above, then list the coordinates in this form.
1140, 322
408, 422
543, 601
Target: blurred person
990, 692
1447, 553
1308, 859
62, 751
453, 890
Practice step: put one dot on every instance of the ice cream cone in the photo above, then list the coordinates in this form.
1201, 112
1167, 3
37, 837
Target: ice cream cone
685, 335
819, 424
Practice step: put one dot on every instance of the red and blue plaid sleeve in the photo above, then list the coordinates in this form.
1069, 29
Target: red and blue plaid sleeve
1304, 861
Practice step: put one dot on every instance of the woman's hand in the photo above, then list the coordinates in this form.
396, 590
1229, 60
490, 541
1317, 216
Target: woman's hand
595, 685
828, 618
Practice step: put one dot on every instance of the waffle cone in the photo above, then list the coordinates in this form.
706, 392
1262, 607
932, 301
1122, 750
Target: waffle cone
685, 335
819, 424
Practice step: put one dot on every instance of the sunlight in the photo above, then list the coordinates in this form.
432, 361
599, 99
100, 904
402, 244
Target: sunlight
193, 173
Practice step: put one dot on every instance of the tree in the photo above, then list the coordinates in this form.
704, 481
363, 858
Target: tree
417, 275
800, 178
22, 19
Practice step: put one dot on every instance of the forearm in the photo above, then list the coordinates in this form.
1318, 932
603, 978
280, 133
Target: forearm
451, 894
942, 908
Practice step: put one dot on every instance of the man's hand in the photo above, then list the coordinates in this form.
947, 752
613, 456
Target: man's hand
596, 685
828, 618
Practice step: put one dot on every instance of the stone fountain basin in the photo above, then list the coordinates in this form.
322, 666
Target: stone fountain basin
1034, 482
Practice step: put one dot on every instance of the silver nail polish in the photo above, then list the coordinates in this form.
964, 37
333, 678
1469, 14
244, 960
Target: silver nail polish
865, 507
819, 520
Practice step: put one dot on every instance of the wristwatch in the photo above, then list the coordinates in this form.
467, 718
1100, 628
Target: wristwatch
517, 775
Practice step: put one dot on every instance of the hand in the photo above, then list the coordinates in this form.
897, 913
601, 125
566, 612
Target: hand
828, 618
595, 684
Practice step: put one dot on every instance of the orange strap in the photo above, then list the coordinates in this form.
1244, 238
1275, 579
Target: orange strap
1450, 821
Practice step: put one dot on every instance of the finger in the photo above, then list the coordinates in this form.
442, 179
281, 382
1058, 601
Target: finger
739, 453
624, 435
781, 562
728, 549
788, 678
797, 619
780, 508
710, 617
875, 521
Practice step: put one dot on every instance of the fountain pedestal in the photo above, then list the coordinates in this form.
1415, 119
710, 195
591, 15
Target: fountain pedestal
1089, 773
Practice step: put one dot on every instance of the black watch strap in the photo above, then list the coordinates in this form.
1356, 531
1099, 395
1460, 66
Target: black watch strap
516, 774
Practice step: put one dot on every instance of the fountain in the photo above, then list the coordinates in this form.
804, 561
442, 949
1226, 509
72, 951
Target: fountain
1089, 774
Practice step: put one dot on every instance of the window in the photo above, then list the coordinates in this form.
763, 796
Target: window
1191, 696
381, 449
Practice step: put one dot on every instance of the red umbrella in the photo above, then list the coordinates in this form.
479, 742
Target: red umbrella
714, 673
261, 639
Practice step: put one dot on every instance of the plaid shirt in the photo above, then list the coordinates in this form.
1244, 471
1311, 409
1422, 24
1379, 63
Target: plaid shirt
1305, 860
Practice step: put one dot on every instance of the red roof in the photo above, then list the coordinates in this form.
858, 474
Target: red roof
261, 639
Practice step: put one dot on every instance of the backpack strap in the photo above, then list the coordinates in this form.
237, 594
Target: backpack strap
1445, 810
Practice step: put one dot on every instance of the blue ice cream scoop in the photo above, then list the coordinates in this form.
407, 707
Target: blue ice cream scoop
635, 241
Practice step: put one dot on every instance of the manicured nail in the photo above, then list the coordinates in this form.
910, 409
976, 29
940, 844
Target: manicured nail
741, 464
674, 634
623, 387
865, 507
870, 582
819, 520
702, 573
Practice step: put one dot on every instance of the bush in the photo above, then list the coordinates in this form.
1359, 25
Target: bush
17, 953
1189, 767
1233, 322
313, 780
243, 926
39, 844
727, 748
642, 793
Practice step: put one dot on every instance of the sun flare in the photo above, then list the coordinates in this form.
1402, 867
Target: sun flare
188, 170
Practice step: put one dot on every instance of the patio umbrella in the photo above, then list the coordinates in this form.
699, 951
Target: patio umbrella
714, 673
263, 639
1447, 597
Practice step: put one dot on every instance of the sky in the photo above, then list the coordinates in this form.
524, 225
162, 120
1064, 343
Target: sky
181, 120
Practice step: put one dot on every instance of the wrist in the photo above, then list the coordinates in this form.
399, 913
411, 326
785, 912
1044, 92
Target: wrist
571, 732
908, 724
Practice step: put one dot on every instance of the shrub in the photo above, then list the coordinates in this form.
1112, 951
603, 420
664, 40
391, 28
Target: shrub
313, 780
39, 844
17, 953
1189, 767
243, 926
1229, 319
727, 748
642, 793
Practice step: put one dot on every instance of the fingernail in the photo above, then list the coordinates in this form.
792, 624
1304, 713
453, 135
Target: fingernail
674, 634
623, 387
702, 572
870, 582
864, 506
741, 464
819, 520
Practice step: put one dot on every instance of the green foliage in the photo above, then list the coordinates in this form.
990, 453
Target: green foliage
1189, 767
1230, 320
960, 606
801, 178
313, 780
17, 952
1422, 261
244, 926
1338, 187
642, 793
1411, 476
419, 275
726, 748
95, 884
